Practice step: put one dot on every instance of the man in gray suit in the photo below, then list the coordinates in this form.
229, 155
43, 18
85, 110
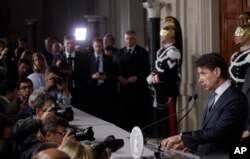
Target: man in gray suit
224, 117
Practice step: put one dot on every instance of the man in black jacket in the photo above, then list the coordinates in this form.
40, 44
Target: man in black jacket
133, 68
224, 117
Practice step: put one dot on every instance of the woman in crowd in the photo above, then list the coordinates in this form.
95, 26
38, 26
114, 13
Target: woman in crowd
76, 150
39, 68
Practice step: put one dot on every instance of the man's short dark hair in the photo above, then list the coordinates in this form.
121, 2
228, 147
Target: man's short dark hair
24, 80
53, 69
42, 98
7, 85
110, 36
69, 37
97, 39
130, 32
24, 39
24, 61
211, 61
43, 146
51, 124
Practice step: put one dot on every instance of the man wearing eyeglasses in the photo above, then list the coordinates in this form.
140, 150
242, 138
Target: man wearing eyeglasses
19, 108
42, 110
53, 129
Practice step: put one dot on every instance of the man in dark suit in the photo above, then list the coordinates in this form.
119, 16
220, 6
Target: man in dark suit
133, 66
224, 117
75, 66
19, 107
103, 75
7, 93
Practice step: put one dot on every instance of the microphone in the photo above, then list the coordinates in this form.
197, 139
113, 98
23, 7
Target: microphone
194, 97
158, 121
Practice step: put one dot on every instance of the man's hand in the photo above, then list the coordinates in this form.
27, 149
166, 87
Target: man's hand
173, 142
246, 134
132, 79
99, 76
122, 80
45, 115
69, 137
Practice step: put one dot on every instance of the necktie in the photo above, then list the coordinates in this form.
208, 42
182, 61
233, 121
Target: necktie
70, 60
97, 63
70, 80
129, 51
211, 101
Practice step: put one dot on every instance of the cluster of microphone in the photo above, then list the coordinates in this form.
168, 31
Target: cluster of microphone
187, 108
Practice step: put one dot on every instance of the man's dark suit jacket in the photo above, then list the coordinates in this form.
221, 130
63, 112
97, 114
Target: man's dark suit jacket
3, 104
80, 76
108, 68
222, 127
103, 96
135, 97
246, 91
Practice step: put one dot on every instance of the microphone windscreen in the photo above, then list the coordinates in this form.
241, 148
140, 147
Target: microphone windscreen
195, 96
190, 98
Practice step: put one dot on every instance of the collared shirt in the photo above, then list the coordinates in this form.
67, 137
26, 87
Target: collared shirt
5, 99
132, 49
72, 54
100, 69
219, 91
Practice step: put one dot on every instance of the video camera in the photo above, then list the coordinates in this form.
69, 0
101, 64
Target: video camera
109, 142
66, 113
58, 80
82, 134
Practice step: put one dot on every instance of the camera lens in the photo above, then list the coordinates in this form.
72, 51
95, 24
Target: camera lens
85, 134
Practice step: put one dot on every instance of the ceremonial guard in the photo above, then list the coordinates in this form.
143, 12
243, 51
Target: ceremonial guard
164, 79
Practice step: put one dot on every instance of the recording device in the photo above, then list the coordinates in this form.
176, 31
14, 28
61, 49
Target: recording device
82, 134
25, 99
109, 142
58, 80
101, 73
66, 113
195, 97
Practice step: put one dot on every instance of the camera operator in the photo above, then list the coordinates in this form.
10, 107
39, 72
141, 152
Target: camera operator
56, 86
53, 130
104, 149
19, 108
41, 105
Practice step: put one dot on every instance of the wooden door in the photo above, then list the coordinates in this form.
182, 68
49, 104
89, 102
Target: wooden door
229, 13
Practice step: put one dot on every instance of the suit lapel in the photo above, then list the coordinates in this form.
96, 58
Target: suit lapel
216, 107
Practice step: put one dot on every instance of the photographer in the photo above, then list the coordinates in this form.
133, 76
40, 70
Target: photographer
56, 86
19, 108
53, 129
41, 105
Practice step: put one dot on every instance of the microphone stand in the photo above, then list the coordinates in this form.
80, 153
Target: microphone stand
158, 121
156, 148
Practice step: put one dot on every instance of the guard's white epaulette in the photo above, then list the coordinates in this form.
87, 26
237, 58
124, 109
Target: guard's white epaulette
245, 61
172, 52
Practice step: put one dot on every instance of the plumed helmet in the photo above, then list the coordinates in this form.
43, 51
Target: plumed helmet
244, 25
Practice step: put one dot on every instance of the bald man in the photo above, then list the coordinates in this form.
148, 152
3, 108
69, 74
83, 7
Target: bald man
51, 153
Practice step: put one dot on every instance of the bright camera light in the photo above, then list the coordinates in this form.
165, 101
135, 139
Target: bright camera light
80, 33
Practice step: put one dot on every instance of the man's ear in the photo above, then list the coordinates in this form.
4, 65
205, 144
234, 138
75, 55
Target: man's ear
217, 71
47, 134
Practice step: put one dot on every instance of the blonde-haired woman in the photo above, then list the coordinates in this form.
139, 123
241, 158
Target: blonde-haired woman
76, 150
39, 67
